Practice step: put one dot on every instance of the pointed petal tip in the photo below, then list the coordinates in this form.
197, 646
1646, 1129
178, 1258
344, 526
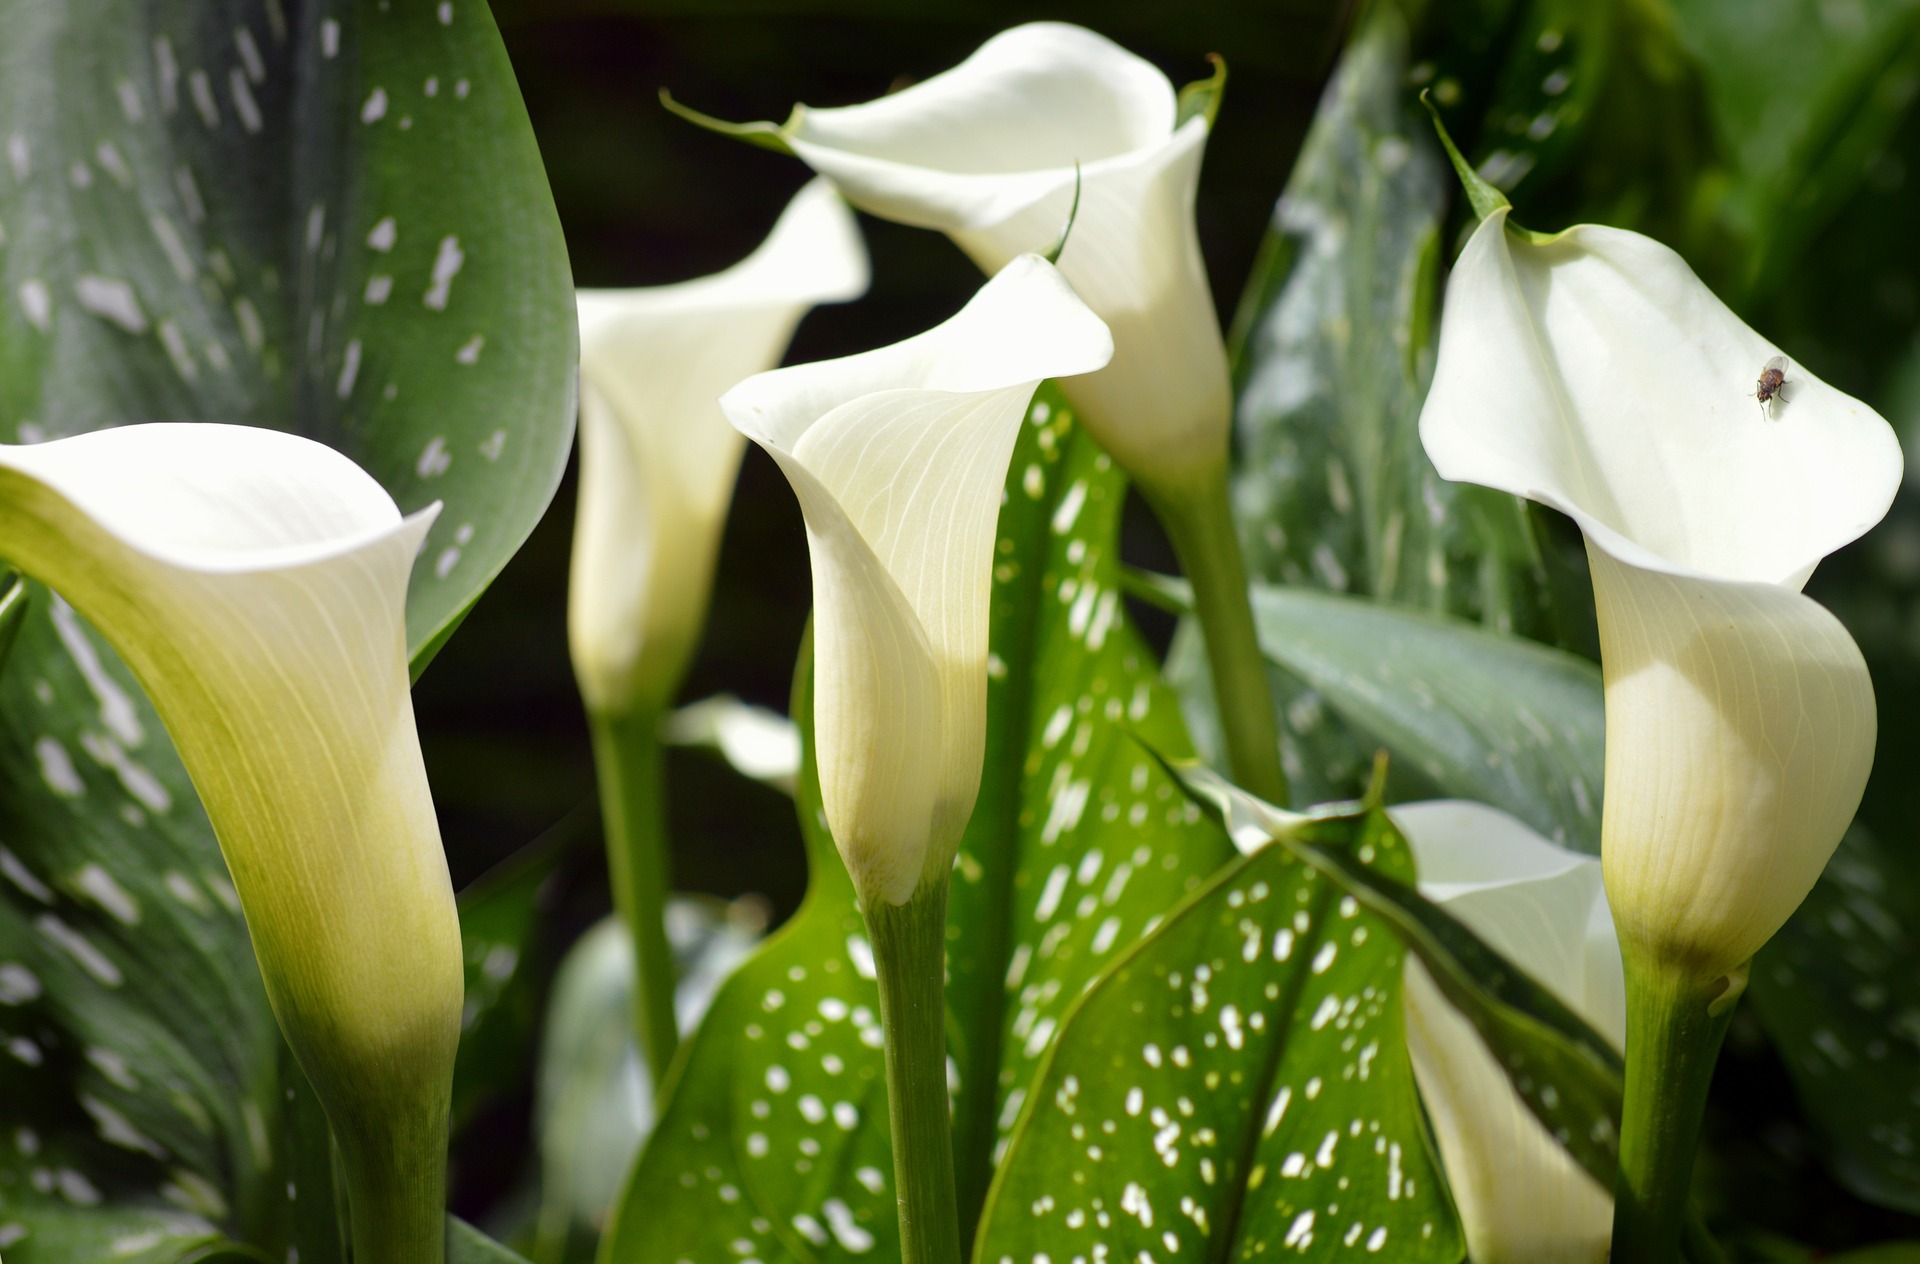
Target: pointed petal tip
813, 254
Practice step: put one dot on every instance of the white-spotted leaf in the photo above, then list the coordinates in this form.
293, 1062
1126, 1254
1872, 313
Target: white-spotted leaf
1334, 345
775, 1138
330, 219
1237, 1087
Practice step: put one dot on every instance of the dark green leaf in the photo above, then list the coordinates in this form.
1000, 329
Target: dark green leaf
1237, 1085
1886, 1253
1838, 992
332, 221
1801, 130
501, 920
1334, 488
1335, 340
1566, 1072
467, 1245
1479, 714
1078, 842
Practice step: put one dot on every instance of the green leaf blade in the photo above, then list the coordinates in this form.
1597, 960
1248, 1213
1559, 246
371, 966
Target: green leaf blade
192, 198
1237, 1085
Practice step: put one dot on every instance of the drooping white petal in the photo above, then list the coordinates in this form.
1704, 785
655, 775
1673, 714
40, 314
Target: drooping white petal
1740, 732
658, 461
987, 153
898, 457
1597, 374
1522, 1199
255, 582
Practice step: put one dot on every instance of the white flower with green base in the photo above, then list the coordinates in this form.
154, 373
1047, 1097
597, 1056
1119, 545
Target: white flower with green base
657, 467
898, 457
1049, 123
255, 582
1522, 1198
1593, 372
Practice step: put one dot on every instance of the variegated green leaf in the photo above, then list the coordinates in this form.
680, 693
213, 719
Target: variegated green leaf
1236, 1087
1336, 330
324, 218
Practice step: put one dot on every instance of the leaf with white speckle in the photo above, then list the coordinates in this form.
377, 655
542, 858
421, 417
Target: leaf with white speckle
774, 1144
1235, 1087
1079, 842
775, 1140
1481, 715
188, 210
1566, 1072
1838, 992
1335, 348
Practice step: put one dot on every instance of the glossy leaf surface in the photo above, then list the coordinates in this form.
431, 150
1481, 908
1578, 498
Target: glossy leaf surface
1237, 1086
332, 221
1565, 1071
1477, 714
1837, 991
1335, 348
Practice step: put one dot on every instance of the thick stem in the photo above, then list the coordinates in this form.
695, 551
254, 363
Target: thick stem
1674, 1028
633, 808
909, 956
1199, 521
396, 1185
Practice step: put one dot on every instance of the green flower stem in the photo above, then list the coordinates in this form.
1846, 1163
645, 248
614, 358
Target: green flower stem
1674, 1028
396, 1184
909, 956
1199, 521
633, 808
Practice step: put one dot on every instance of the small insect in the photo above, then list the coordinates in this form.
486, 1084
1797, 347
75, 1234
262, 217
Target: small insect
1772, 384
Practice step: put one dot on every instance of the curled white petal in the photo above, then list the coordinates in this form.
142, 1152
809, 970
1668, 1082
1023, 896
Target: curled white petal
1522, 1198
987, 153
255, 582
1740, 732
1595, 373
658, 461
898, 457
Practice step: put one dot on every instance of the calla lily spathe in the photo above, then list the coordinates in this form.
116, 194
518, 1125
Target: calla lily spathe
1593, 372
1522, 1198
658, 461
986, 153
898, 457
255, 583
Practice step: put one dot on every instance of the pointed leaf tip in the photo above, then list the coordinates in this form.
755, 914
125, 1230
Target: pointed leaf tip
764, 134
1052, 254
1484, 198
1203, 96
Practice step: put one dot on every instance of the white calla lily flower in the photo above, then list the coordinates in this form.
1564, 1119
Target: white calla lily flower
1593, 372
987, 153
1522, 1198
255, 583
898, 457
658, 461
